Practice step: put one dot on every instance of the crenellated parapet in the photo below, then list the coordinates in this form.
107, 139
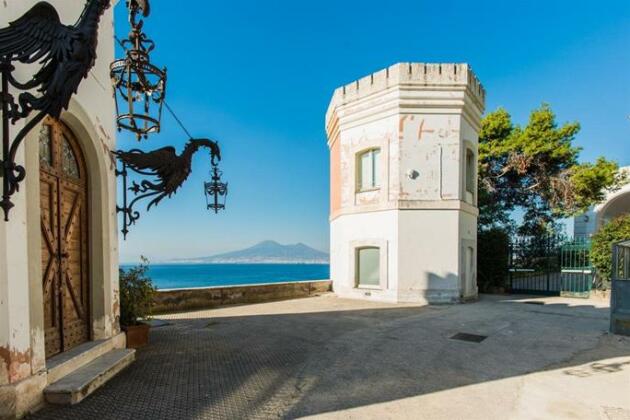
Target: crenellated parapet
414, 77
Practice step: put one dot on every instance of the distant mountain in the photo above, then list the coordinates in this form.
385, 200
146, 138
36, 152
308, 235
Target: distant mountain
268, 252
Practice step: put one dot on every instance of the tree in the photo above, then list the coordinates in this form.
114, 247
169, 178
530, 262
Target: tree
535, 168
616, 230
492, 259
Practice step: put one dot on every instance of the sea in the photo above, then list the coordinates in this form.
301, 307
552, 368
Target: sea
185, 276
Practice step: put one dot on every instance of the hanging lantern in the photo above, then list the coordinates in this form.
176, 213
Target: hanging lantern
139, 86
216, 191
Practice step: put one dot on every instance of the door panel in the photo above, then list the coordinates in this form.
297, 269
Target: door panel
50, 263
75, 301
65, 265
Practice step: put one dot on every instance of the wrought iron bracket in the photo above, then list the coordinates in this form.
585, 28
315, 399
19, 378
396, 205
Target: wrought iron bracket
130, 216
12, 173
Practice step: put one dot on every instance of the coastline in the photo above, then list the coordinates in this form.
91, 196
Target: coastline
284, 262
196, 276
226, 262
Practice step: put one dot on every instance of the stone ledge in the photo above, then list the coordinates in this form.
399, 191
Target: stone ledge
406, 205
180, 300
69, 361
73, 388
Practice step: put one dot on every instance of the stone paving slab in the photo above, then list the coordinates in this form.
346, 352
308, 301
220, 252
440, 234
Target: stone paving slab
336, 358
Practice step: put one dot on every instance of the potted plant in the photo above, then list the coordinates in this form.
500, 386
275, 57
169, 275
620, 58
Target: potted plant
136, 300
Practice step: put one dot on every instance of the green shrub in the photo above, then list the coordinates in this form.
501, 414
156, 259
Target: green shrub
136, 294
612, 232
492, 259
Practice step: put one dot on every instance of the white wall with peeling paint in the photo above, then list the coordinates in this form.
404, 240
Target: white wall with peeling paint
423, 117
615, 204
91, 117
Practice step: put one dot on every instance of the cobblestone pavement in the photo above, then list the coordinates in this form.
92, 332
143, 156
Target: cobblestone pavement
324, 355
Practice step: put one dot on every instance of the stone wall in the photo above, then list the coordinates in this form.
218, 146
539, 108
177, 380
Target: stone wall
178, 300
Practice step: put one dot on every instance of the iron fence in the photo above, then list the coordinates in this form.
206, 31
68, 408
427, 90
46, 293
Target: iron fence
551, 265
533, 265
620, 291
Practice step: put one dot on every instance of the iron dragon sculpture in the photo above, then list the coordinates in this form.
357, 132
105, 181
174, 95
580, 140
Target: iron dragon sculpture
168, 169
65, 53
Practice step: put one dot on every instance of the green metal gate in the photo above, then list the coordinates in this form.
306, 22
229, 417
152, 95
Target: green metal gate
576, 268
551, 265
534, 265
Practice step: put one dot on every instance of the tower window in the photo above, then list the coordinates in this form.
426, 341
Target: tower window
471, 174
368, 266
368, 163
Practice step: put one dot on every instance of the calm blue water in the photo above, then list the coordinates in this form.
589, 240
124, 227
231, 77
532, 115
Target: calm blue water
180, 276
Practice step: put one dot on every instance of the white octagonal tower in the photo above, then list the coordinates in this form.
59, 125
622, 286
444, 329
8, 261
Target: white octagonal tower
403, 156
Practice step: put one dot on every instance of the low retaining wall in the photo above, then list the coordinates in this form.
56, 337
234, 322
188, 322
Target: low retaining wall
179, 300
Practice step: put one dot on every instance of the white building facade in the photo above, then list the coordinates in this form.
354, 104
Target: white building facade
403, 156
59, 303
616, 203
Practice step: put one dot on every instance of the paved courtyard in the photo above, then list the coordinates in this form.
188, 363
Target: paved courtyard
332, 358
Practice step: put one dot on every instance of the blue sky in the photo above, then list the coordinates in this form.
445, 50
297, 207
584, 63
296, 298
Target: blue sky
258, 78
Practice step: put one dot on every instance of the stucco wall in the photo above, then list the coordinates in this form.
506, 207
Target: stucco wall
429, 256
91, 117
364, 229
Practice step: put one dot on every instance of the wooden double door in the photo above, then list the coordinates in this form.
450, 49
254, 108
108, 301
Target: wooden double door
64, 239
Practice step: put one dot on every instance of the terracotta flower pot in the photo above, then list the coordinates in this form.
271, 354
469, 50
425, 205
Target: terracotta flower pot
137, 335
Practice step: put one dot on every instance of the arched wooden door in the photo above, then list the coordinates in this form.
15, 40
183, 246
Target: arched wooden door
64, 233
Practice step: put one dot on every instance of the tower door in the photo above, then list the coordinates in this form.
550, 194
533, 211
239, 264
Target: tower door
468, 271
64, 239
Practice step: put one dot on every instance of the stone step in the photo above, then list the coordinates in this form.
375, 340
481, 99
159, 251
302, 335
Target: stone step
67, 362
73, 388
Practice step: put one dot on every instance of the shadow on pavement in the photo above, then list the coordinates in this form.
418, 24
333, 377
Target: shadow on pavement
297, 364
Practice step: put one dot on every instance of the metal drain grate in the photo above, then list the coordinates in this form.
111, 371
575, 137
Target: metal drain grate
533, 302
473, 338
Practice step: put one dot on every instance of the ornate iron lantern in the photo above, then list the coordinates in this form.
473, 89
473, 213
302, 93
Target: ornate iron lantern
139, 92
216, 191
62, 56
139, 86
